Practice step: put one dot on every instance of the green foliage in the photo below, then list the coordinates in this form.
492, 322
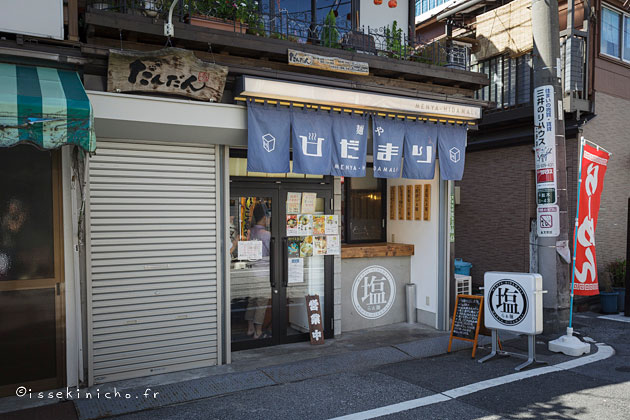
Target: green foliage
330, 35
617, 270
244, 11
394, 41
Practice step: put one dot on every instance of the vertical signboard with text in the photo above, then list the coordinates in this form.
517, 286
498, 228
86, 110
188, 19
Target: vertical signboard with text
548, 220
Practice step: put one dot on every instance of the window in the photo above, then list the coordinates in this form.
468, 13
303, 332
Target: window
423, 6
611, 28
363, 208
615, 34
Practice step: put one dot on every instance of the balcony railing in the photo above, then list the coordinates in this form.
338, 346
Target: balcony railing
511, 80
248, 17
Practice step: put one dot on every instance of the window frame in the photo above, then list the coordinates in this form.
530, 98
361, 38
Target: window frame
348, 212
623, 16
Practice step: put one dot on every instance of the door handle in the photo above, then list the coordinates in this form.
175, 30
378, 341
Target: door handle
285, 265
272, 263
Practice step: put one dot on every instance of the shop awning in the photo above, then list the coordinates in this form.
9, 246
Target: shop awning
44, 106
335, 143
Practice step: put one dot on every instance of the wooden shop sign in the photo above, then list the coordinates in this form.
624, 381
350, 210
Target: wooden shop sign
392, 203
315, 320
336, 64
172, 71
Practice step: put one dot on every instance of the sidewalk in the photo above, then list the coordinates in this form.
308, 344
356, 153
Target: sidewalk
281, 365
249, 369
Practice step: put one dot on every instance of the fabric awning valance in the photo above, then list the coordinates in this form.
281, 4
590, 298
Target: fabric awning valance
330, 143
44, 106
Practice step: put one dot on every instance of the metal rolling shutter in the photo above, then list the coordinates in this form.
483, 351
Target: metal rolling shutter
152, 283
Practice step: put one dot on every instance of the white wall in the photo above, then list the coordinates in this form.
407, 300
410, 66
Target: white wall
424, 236
377, 16
32, 17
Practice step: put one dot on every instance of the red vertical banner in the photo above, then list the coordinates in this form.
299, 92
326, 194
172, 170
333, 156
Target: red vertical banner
593, 168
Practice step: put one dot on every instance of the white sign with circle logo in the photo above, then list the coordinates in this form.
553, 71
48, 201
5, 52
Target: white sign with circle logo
513, 302
373, 292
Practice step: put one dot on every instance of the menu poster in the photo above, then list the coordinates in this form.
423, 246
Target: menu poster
308, 202
305, 225
319, 247
319, 225
409, 202
249, 250
332, 225
306, 247
294, 200
333, 245
292, 225
401, 202
295, 270
417, 207
392, 203
293, 246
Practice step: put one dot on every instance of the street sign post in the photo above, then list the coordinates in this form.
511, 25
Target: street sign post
513, 302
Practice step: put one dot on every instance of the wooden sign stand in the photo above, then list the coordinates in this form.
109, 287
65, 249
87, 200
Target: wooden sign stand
477, 322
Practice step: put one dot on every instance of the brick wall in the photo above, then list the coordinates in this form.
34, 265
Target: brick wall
496, 204
497, 197
611, 130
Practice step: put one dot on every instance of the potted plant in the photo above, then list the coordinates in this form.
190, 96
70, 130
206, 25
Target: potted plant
617, 270
330, 35
226, 15
607, 296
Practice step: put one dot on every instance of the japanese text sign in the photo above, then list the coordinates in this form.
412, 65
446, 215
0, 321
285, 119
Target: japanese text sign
312, 142
420, 150
315, 320
545, 145
174, 71
349, 145
593, 168
388, 147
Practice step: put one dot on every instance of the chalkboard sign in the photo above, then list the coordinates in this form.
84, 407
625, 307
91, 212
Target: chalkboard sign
466, 320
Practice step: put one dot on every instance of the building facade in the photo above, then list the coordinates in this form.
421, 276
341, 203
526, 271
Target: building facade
595, 81
167, 247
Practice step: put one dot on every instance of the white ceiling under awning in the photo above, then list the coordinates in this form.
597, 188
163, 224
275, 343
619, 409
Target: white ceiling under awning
138, 117
274, 89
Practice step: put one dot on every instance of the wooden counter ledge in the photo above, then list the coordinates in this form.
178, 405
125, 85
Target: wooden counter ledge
383, 249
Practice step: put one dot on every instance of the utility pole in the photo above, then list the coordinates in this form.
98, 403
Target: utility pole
550, 155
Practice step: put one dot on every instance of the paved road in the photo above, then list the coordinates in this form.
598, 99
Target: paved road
597, 390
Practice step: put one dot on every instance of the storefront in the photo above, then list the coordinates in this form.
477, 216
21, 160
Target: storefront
45, 124
205, 234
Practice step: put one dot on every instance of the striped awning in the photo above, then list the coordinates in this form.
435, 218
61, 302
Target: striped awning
44, 106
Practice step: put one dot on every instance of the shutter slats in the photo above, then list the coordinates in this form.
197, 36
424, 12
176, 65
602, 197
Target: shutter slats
153, 258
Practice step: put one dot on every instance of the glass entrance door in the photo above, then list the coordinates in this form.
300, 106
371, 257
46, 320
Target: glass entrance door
267, 297
31, 279
253, 283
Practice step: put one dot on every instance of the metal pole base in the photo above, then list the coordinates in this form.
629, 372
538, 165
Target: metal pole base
531, 352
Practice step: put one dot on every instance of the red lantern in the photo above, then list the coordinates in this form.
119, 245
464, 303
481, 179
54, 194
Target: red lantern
392, 3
